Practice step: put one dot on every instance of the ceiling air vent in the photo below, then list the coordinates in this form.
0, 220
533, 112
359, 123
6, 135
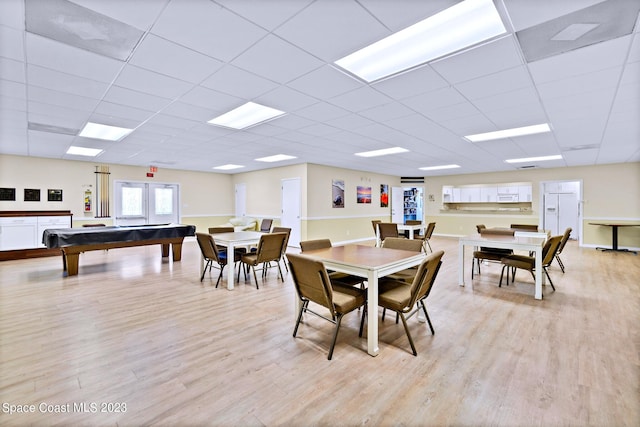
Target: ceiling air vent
41, 127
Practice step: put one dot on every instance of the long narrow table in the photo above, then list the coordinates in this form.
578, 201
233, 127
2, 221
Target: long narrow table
520, 242
231, 241
371, 263
73, 241
614, 236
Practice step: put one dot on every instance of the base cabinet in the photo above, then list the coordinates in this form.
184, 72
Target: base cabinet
21, 230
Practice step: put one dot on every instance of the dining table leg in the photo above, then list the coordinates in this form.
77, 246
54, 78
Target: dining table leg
231, 266
372, 313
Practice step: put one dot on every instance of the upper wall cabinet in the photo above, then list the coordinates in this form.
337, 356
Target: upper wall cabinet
468, 197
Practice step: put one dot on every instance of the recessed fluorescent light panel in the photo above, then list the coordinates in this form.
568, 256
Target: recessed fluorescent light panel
228, 167
246, 115
509, 133
435, 168
98, 131
276, 158
83, 151
535, 159
467, 23
383, 152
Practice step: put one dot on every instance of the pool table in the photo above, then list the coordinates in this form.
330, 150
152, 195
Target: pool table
73, 241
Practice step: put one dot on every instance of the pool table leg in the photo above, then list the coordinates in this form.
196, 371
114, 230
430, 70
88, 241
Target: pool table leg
165, 250
177, 251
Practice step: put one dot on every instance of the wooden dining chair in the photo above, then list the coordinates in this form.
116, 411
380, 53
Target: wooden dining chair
269, 250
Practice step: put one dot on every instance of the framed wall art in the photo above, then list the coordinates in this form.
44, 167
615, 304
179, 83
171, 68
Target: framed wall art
31, 194
363, 194
8, 194
337, 193
54, 195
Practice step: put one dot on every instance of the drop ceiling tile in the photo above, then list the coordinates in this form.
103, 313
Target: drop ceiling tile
469, 126
322, 111
400, 14
581, 61
11, 43
12, 91
581, 157
188, 111
603, 79
276, 60
527, 95
292, 121
12, 70
286, 99
164, 57
330, 33
62, 99
269, 14
12, 14
113, 121
411, 83
388, 111
483, 60
634, 52
207, 98
515, 116
213, 30
146, 81
450, 112
239, 83
360, 99
325, 82
350, 122
430, 101
136, 99
492, 84
122, 111
525, 14
55, 80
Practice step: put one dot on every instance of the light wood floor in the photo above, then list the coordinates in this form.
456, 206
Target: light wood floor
131, 329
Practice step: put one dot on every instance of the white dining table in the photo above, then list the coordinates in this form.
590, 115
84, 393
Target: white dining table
371, 263
231, 241
521, 242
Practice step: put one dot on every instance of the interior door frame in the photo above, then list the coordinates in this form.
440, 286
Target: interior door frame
580, 197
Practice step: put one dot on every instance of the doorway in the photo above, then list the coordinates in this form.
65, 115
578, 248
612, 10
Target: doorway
142, 203
241, 200
407, 203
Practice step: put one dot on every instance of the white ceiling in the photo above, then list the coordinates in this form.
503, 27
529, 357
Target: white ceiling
196, 59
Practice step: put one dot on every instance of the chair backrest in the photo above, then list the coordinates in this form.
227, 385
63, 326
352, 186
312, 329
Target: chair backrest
388, 229
311, 280
309, 245
285, 230
480, 227
214, 230
207, 246
425, 277
550, 249
265, 225
526, 227
404, 244
499, 231
565, 237
270, 247
429, 232
375, 223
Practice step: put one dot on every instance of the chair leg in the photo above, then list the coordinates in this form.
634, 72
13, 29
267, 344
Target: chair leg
220, 275
427, 316
303, 307
406, 329
364, 313
560, 262
204, 270
502, 274
253, 267
335, 335
549, 277
280, 271
427, 240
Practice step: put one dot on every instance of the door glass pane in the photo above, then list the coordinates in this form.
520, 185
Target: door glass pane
131, 201
164, 201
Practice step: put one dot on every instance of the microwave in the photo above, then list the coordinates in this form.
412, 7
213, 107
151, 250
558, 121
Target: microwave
507, 197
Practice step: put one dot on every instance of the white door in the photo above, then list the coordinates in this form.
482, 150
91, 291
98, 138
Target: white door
163, 204
567, 212
140, 203
241, 200
291, 205
397, 205
130, 203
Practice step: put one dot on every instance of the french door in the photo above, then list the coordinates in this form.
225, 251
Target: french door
140, 203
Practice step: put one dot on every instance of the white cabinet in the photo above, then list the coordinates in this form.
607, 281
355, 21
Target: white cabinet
489, 194
456, 195
45, 222
507, 189
18, 233
23, 229
469, 194
524, 193
447, 194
